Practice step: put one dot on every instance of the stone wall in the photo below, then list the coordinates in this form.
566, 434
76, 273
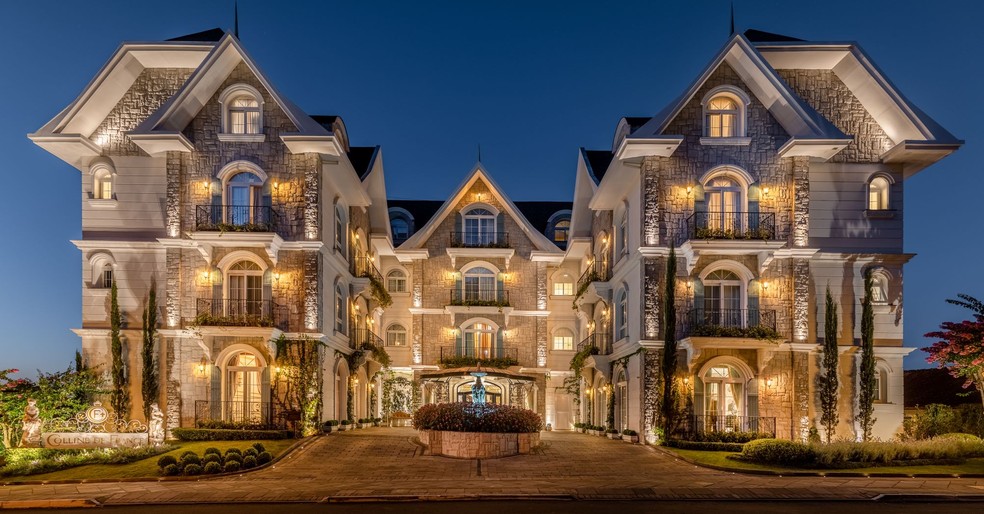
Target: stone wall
478, 445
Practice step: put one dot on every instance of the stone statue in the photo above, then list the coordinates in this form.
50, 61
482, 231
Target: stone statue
155, 425
31, 436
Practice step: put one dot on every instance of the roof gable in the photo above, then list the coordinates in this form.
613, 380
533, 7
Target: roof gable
478, 173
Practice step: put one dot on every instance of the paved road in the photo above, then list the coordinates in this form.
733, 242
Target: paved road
385, 463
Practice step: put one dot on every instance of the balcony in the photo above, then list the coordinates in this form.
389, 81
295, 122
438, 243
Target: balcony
490, 356
479, 240
599, 340
749, 323
362, 337
731, 226
725, 423
364, 266
596, 272
240, 218
482, 297
240, 313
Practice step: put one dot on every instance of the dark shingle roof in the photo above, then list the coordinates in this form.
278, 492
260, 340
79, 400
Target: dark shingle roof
760, 36
926, 386
637, 121
326, 121
598, 161
210, 36
362, 158
421, 210
539, 213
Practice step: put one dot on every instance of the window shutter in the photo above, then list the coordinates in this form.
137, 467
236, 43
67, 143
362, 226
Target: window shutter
458, 293
499, 349
216, 214
753, 303
215, 392
458, 345
500, 291
459, 227
500, 227
752, 409
699, 396
698, 295
216, 296
266, 210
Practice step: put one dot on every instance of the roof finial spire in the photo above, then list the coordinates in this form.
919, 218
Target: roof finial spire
480, 152
732, 17
235, 29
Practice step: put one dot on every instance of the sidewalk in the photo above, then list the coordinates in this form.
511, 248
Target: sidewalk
383, 463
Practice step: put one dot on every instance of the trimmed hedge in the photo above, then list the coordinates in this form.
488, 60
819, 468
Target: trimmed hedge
202, 434
778, 451
729, 437
466, 417
704, 446
845, 454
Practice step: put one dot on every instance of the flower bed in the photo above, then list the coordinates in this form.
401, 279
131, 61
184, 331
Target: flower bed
466, 431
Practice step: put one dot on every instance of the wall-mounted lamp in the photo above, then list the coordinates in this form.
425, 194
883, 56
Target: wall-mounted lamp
478, 197
690, 190
201, 368
604, 240
206, 186
768, 382
276, 185
765, 285
689, 283
686, 381
276, 276
765, 192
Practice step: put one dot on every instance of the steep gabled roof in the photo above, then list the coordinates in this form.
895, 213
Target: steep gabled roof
538, 213
760, 36
422, 234
799, 119
177, 112
210, 35
597, 161
362, 158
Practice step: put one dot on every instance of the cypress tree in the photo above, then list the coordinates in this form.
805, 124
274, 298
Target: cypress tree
78, 361
120, 395
828, 367
866, 375
150, 385
669, 362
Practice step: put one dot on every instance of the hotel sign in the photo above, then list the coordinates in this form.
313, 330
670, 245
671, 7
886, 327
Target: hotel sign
72, 440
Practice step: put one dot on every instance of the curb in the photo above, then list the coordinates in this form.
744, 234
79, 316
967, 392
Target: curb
49, 504
821, 474
298, 445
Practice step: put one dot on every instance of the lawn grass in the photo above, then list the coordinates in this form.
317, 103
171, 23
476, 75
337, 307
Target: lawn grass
147, 468
719, 459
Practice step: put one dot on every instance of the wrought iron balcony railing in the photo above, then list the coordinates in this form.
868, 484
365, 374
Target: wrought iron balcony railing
361, 337
490, 297
364, 266
236, 218
702, 424
731, 225
601, 341
240, 313
479, 240
756, 323
596, 272
239, 414
468, 355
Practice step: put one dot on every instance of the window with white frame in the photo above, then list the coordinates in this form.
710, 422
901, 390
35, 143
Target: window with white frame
105, 279
243, 390
879, 286
339, 310
878, 197
561, 231
242, 113
622, 234
563, 340
480, 285
103, 176
396, 335
621, 315
396, 281
563, 285
721, 118
339, 229
244, 293
723, 293
243, 192
479, 341
478, 227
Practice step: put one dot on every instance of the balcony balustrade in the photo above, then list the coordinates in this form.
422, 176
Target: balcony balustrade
731, 225
596, 272
241, 313
471, 297
364, 266
755, 323
702, 424
362, 337
479, 240
599, 340
463, 355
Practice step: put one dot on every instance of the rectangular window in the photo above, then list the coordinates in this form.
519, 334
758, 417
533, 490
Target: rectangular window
396, 338
563, 342
106, 189
563, 288
107, 278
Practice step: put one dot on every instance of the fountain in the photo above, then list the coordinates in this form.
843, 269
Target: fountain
478, 388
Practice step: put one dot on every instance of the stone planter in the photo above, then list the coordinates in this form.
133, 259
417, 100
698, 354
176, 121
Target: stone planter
478, 445
613, 436
630, 438
342, 428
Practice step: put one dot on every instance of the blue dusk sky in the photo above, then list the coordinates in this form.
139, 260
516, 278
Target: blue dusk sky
430, 81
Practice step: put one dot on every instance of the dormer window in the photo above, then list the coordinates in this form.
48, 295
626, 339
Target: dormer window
103, 182
878, 190
242, 114
725, 117
722, 117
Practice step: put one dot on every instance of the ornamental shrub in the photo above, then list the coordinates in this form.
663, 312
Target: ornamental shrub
778, 451
187, 453
629, 432
212, 450
166, 460
212, 467
704, 446
192, 470
259, 447
198, 434
234, 450
211, 457
232, 466
170, 470
729, 437
249, 462
189, 459
467, 417
233, 457
250, 452
263, 458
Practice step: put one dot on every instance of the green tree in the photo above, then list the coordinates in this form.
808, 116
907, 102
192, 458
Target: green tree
866, 375
296, 384
14, 393
827, 386
150, 387
669, 361
78, 361
120, 393
960, 348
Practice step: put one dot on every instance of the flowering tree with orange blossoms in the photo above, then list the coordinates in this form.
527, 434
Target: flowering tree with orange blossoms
960, 348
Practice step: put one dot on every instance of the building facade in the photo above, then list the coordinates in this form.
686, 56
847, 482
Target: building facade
777, 174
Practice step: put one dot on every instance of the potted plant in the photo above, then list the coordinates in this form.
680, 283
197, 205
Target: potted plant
376, 421
345, 425
630, 435
613, 433
579, 427
327, 426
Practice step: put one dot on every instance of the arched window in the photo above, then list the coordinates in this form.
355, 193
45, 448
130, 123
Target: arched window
878, 194
244, 290
724, 113
879, 286
401, 229
724, 394
339, 310
396, 335
561, 231
622, 400
478, 227
563, 339
340, 229
243, 393
723, 294
622, 234
102, 185
396, 281
480, 341
881, 382
723, 195
563, 284
105, 279
242, 115
480, 285
621, 315
243, 200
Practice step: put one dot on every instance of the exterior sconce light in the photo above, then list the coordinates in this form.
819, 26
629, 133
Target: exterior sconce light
765, 285
604, 240
690, 284
478, 197
690, 190
686, 381
276, 276
276, 185
356, 307
206, 186
355, 382
765, 192
201, 368
206, 276
768, 382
